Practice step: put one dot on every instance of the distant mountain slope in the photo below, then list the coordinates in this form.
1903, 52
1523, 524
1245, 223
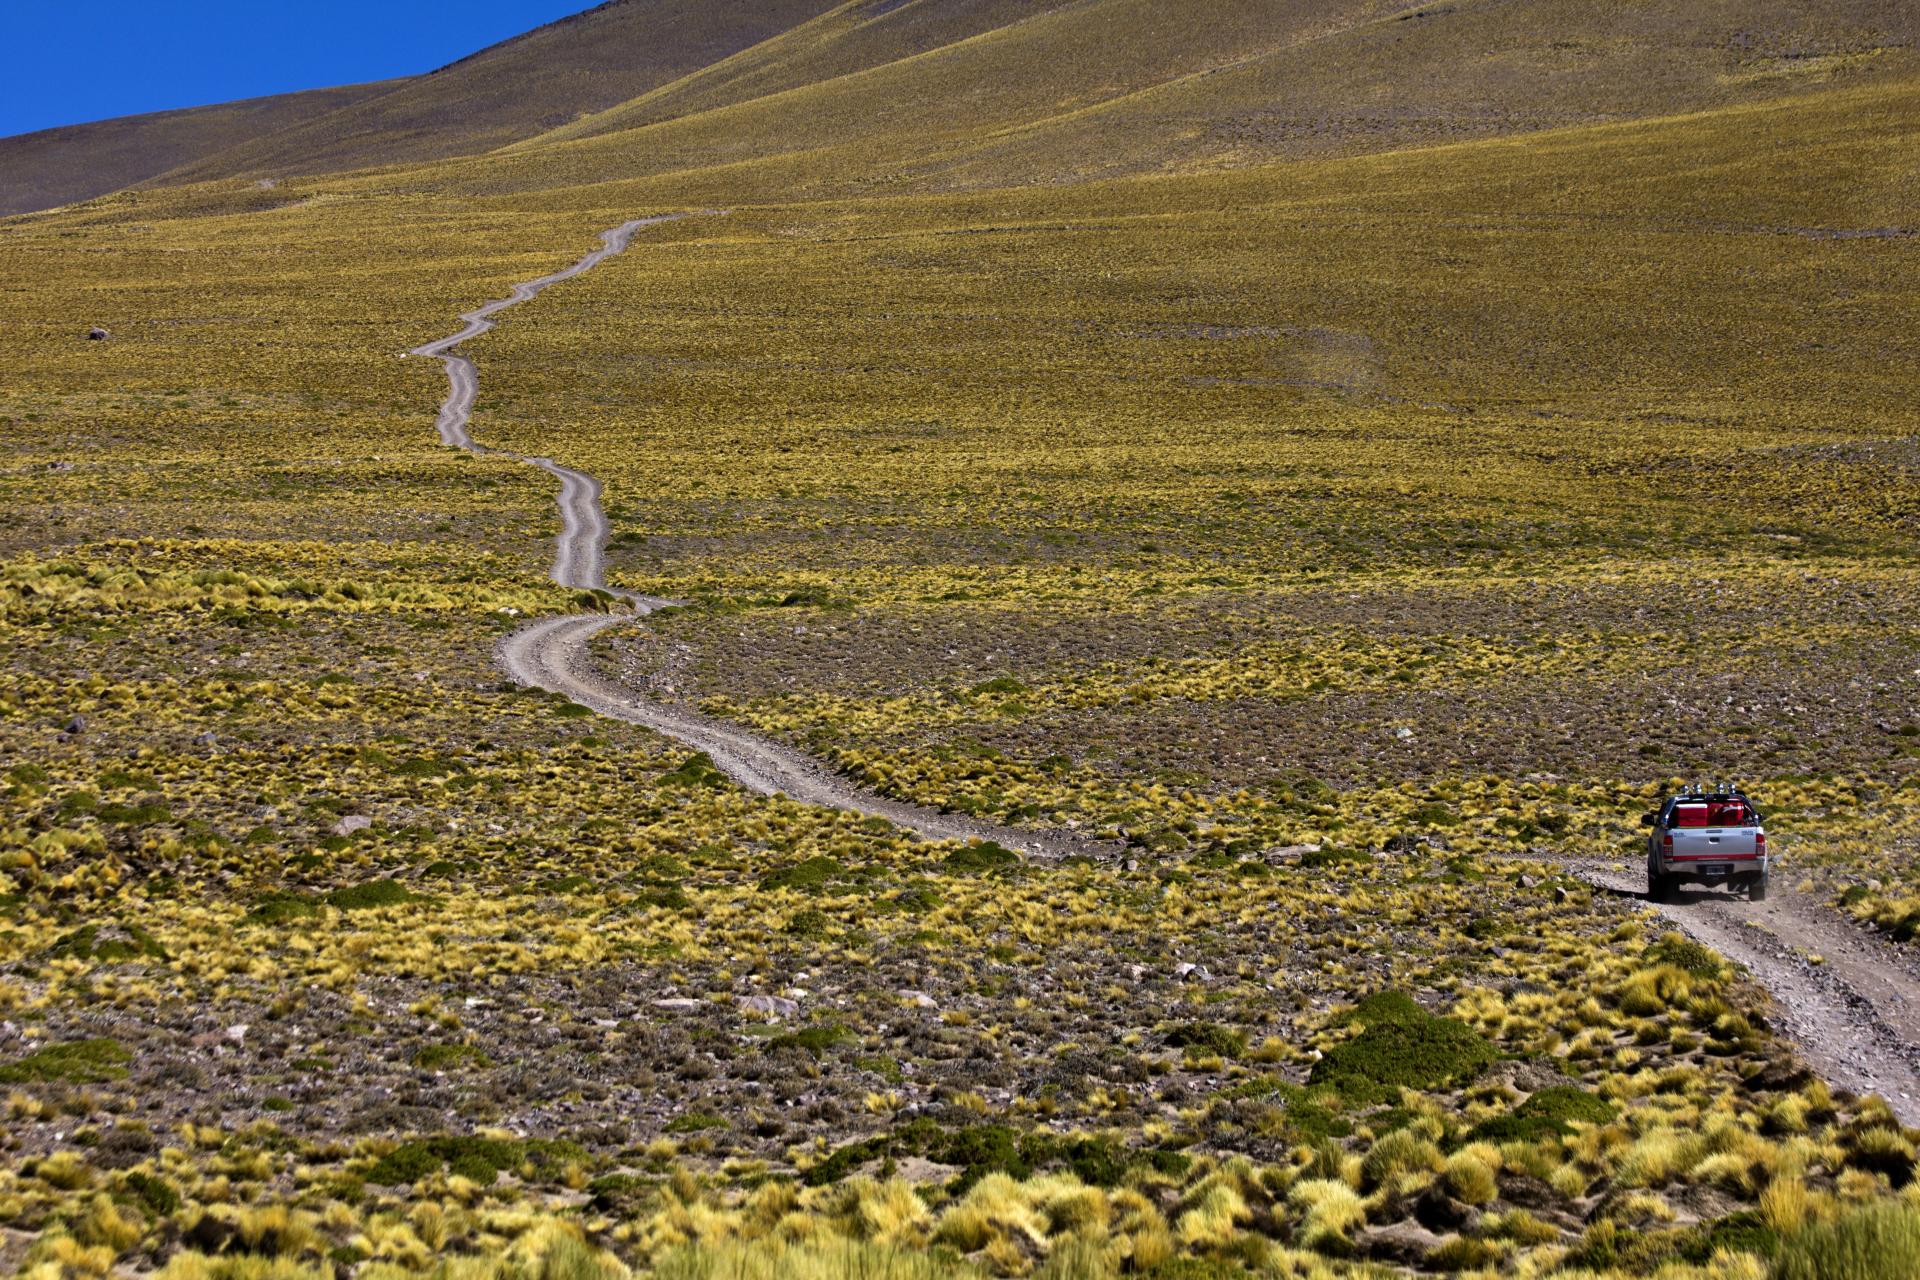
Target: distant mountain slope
1456, 71
509, 91
1110, 87
516, 89
814, 97
77, 162
851, 38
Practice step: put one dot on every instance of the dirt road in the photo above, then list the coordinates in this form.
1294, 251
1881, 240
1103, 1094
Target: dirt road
579, 546
1855, 1014
552, 653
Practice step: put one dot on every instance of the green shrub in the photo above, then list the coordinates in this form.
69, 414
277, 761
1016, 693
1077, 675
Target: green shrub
76, 1062
917, 897
437, 1057
85, 943
425, 767
808, 924
480, 1159
986, 855
979, 1150
1550, 1112
133, 815
1402, 1045
697, 770
1332, 855
816, 1040
809, 876
1210, 1037
279, 908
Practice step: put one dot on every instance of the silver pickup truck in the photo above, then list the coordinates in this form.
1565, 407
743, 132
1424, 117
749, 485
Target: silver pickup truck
1709, 837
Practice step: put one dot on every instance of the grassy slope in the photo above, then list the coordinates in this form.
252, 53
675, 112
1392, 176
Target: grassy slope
846, 39
1121, 85
76, 162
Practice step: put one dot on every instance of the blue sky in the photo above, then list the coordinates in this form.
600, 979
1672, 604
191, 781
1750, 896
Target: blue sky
65, 61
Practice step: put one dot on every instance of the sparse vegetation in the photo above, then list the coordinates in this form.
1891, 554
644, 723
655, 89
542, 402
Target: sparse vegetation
1320, 539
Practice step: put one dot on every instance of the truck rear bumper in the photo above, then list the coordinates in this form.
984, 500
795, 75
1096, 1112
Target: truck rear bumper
1707, 867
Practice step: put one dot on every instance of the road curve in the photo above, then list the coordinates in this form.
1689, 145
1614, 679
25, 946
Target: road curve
552, 653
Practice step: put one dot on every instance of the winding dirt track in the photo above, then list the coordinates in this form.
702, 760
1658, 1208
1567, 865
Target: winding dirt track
579, 546
552, 653
1856, 1016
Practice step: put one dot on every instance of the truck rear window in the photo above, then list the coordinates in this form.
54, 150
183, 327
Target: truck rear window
1714, 813
1690, 815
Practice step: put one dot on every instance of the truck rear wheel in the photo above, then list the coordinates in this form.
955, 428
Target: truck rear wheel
1757, 890
1660, 888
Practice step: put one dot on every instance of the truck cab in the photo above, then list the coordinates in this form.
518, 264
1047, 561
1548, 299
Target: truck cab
1713, 837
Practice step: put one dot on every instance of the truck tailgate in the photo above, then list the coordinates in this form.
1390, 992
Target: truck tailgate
1714, 843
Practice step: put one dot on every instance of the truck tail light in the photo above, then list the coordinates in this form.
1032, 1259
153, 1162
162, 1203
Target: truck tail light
1760, 843
1666, 841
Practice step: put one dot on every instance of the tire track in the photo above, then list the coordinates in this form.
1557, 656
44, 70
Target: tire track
552, 653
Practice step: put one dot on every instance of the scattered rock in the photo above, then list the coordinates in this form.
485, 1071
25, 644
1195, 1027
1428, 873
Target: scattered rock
677, 1004
1780, 1076
76, 726
777, 1006
97, 334
1198, 972
1525, 1191
1438, 1211
920, 999
351, 823
1404, 1244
